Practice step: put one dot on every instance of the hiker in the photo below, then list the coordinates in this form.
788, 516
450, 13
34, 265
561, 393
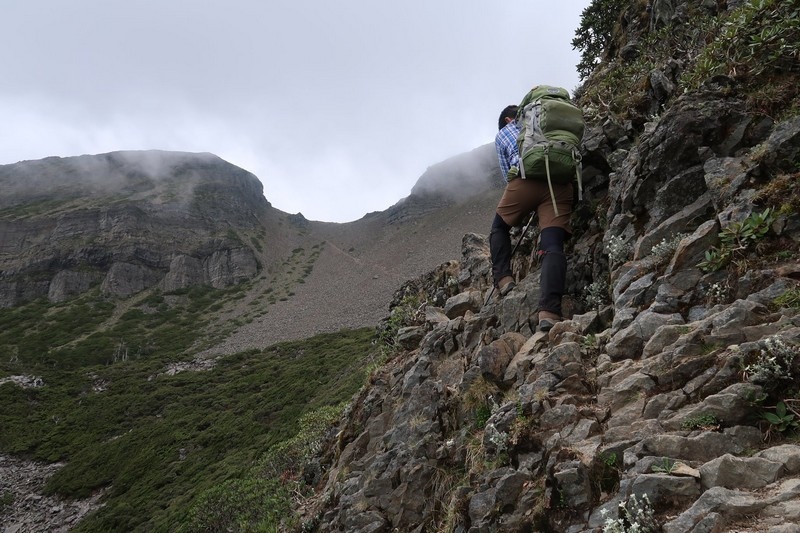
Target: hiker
520, 198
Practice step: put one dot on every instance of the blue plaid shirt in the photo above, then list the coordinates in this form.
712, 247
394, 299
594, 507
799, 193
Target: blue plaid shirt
506, 144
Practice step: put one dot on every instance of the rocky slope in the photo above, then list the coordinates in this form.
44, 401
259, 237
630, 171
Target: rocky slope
668, 398
658, 394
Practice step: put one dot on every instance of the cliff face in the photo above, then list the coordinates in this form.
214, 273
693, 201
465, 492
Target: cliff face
127, 221
669, 394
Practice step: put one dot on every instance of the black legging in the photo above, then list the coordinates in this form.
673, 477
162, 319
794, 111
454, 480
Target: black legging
500, 249
554, 262
554, 269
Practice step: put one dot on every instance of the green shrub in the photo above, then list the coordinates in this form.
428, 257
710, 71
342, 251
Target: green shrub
761, 36
790, 298
736, 239
240, 505
595, 31
782, 420
6, 499
410, 311
157, 442
701, 421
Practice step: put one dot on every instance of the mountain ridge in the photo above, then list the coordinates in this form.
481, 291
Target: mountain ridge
152, 220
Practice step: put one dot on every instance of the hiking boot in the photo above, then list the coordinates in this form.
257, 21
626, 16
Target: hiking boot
506, 285
545, 325
547, 320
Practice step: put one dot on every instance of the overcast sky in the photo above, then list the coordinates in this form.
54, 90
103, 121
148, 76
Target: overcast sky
337, 106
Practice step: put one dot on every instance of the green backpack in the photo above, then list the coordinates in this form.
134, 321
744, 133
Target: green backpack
549, 142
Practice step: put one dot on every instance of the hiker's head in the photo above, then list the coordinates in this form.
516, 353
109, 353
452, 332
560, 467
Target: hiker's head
509, 112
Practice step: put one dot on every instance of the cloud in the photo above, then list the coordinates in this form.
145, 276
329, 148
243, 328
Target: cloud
338, 107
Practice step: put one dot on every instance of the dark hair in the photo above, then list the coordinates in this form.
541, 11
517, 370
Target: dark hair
510, 111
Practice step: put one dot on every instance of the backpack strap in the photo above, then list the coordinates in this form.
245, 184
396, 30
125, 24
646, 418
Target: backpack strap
549, 182
576, 156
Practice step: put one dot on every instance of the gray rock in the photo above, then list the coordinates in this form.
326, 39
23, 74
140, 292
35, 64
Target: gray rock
782, 514
739, 472
220, 269
617, 158
662, 12
435, 315
703, 447
629, 342
661, 86
681, 271
671, 196
517, 309
509, 488
366, 522
725, 177
184, 271
532, 392
739, 314
623, 277
462, 302
786, 454
670, 299
768, 295
678, 364
406, 505
67, 284
409, 337
126, 279
667, 402
580, 433
622, 318
573, 484
476, 265
627, 414
588, 322
731, 406
783, 145
558, 416
481, 505
724, 502
638, 294
228, 267
628, 390
664, 489
685, 220
562, 360
664, 336
494, 358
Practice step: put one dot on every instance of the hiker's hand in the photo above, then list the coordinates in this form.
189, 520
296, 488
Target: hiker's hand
513, 172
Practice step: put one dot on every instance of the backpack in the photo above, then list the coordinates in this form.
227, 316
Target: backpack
551, 129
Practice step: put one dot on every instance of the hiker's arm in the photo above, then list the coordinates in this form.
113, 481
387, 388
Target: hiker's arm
501, 157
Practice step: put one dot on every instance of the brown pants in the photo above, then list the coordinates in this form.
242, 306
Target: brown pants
523, 196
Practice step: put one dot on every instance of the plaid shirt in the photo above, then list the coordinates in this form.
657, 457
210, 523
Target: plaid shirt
506, 144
